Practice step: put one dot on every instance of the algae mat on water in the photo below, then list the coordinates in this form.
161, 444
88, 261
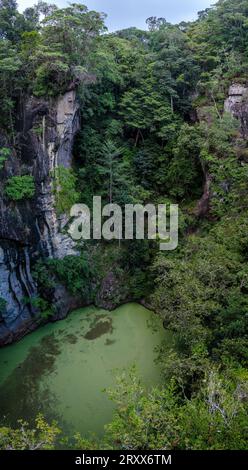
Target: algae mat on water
62, 369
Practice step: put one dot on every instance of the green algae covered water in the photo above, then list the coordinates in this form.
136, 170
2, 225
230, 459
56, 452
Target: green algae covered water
63, 368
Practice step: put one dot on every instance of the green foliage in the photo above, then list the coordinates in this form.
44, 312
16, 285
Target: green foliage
199, 293
142, 110
42, 436
219, 158
9, 67
44, 49
20, 187
45, 309
136, 259
51, 76
153, 130
12, 23
67, 37
64, 185
42, 276
75, 273
185, 170
214, 419
4, 154
112, 169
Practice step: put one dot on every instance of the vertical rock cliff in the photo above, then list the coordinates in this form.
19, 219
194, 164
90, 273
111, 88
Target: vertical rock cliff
30, 229
237, 105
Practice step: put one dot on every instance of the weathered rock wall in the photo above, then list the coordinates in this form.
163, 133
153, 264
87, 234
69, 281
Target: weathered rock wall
237, 105
29, 229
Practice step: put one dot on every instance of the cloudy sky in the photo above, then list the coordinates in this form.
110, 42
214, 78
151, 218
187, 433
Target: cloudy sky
125, 13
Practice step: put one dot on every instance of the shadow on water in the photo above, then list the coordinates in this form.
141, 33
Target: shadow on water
21, 394
71, 338
109, 342
62, 371
99, 327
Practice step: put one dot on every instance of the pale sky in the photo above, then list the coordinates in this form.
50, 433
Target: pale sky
126, 13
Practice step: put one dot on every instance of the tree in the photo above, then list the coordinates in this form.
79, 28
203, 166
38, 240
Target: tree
155, 23
64, 187
185, 172
213, 419
73, 29
175, 69
10, 65
4, 154
63, 55
109, 166
12, 23
75, 273
144, 110
20, 187
41, 437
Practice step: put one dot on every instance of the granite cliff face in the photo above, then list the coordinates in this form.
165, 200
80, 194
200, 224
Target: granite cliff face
237, 105
29, 229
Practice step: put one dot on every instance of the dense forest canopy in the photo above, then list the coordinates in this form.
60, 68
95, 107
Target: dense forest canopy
153, 129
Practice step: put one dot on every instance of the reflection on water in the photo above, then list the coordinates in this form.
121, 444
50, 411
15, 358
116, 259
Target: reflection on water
62, 369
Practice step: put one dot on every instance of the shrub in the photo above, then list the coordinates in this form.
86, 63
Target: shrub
4, 154
65, 189
74, 272
20, 187
45, 308
39, 436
